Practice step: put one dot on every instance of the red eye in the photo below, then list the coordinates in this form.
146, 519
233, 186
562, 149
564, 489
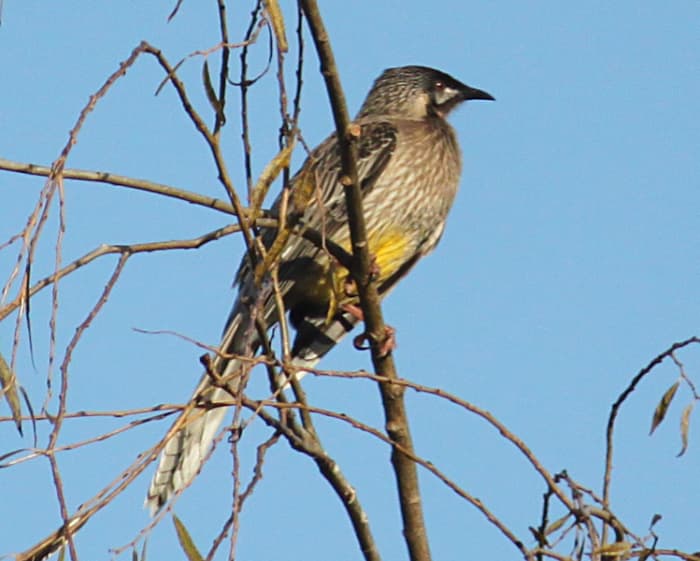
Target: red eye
439, 85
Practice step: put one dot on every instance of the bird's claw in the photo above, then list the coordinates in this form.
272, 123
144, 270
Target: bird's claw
388, 343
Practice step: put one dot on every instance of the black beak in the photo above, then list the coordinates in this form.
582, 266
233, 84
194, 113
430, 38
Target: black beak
473, 93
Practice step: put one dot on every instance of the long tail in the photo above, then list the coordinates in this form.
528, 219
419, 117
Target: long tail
185, 452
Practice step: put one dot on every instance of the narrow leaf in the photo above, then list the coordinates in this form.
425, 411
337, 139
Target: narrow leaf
662, 407
211, 94
274, 15
614, 550
143, 550
556, 525
303, 183
8, 383
175, 9
186, 542
539, 538
269, 174
685, 425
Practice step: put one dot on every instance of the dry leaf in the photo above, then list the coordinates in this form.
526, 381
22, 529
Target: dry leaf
301, 195
269, 174
554, 526
662, 407
8, 383
685, 425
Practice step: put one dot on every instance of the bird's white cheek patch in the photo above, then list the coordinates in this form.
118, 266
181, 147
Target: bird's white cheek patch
445, 95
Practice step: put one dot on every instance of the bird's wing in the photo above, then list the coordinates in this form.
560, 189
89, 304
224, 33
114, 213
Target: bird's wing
375, 147
316, 200
321, 208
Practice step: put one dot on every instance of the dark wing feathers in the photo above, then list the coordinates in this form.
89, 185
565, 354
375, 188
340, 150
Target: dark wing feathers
375, 147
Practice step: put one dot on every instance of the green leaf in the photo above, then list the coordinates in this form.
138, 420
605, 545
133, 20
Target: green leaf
8, 383
269, 174
186, 542
614, 550
556, 525
662, 407
274, 15
216, 104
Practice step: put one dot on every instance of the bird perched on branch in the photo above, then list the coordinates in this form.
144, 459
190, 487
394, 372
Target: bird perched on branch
409, 167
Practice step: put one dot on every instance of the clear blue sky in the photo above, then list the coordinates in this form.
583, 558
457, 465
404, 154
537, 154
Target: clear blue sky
571, 258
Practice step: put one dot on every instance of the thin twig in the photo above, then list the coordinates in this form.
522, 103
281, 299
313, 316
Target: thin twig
120, 181
309, 444
480, 412
58, 420
621, 399
223, 72
311, 450
105, 249
243, 85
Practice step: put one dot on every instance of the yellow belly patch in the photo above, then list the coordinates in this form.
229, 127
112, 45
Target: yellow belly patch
390, 250
326, 286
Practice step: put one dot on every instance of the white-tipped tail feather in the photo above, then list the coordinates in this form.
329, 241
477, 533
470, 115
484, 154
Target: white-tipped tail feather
185, 453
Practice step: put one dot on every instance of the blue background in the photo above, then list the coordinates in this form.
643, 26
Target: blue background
570, 260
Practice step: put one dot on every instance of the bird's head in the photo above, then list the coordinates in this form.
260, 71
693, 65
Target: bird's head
417, 92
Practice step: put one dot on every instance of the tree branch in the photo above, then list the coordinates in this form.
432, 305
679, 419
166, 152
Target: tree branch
396, 419
120, 181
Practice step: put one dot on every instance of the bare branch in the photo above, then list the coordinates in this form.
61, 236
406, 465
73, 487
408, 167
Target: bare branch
120, 181
318, 455
308, 443
621, 399
376, 331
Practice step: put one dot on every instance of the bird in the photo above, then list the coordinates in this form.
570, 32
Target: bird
409, 166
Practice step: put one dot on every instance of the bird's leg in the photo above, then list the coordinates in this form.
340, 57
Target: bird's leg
388, 342
354, 310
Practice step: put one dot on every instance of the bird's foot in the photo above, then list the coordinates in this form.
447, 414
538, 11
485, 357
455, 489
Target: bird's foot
386, 345
354, 310
389, 342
